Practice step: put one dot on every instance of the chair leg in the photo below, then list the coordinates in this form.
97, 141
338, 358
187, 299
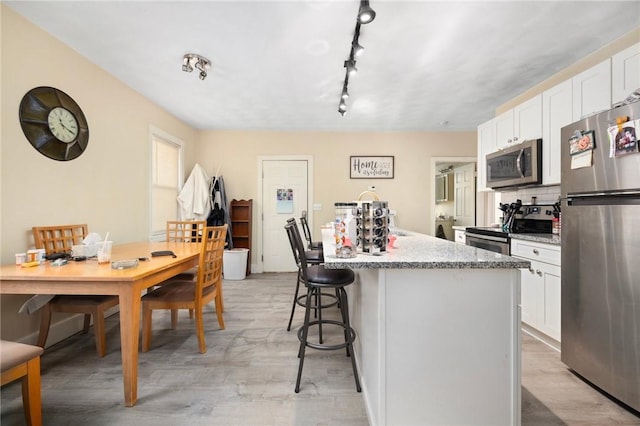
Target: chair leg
146, 327
100, 333
295, 301
345, 314
319, 313
45, 323
87, 323
219, 311
174, 318
31, 397
200, 330
303, 339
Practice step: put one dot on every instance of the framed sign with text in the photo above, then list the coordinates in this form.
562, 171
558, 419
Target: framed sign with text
367, 167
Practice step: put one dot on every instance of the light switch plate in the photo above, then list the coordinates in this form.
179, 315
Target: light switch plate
317, 207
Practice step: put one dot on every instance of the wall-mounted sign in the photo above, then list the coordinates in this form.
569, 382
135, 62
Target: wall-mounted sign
367, 167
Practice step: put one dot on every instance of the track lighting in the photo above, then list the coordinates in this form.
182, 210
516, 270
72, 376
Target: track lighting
366, 14
192, 60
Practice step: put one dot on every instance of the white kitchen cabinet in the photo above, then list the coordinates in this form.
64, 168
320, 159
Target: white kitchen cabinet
592, 90
557, 112
519, 124
460, 237
486, 144
540, 286
625, 73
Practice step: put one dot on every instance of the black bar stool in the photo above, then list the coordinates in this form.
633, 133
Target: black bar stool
314, 257
316, 278
311, 245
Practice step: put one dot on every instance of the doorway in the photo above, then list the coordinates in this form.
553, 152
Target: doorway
285, 184
463, 211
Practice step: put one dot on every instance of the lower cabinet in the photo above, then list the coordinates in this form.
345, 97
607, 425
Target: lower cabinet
460, 237
540, 286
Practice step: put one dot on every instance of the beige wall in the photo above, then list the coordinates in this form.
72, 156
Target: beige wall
106, 187
410, 193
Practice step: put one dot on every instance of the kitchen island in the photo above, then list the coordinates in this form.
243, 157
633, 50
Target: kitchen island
438, 328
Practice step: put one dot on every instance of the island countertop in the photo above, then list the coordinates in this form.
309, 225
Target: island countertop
418, 251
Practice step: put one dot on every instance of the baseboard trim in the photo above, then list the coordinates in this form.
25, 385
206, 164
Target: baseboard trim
549, 341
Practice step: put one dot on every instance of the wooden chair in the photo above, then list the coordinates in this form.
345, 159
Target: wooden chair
60, 239
20, 361
191, 294
185, 231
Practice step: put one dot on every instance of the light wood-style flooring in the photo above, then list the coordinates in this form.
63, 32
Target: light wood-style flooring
248, 375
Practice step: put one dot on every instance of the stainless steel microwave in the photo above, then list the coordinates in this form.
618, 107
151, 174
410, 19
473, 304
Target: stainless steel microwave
516, 165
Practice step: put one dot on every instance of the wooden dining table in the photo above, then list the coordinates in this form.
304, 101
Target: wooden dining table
89, 277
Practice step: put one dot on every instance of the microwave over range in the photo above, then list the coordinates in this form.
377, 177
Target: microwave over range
516, 165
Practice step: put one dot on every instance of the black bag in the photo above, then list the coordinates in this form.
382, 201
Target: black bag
216, 216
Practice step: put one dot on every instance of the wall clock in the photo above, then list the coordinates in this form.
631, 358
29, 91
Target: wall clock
54, 123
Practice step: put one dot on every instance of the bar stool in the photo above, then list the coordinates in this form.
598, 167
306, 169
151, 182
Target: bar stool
311, 245
314, 257
316, 278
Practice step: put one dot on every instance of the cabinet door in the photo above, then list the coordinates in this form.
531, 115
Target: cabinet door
527, 120
625, 73
592, 90
549, 320
557, 105
503, 125
530, 296
486, 144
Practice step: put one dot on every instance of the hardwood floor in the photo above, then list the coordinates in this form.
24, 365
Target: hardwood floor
248, 374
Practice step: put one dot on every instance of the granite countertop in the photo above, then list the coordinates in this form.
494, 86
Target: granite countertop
418, 251
539, 238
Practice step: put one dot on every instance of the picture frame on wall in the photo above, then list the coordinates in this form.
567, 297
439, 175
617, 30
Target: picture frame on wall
371, 167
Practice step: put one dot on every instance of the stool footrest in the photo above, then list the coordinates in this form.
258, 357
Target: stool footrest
350, 338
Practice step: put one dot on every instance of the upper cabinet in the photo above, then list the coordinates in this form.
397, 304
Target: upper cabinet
519, 124
625, 73
592, 90
557, 112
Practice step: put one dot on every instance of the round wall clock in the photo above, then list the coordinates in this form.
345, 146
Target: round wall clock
54, 123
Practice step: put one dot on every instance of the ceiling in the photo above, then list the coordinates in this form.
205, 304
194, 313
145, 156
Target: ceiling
278, 65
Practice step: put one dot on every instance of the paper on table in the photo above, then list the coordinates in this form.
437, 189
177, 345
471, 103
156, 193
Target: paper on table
584, 159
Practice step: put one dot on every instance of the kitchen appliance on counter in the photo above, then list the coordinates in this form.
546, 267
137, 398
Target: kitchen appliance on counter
518, 219
601, 252
517, 165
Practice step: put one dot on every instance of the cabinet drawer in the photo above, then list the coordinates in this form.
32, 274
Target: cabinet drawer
536, 251
460, 237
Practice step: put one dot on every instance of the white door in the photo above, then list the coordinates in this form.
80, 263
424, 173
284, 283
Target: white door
464, 186
284, 195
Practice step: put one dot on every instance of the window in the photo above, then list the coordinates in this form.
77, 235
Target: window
166, 180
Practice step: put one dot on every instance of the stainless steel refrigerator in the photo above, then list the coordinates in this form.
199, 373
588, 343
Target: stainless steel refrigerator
601, 252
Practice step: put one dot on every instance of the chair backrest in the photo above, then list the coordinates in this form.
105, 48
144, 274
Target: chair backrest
211, 254
59, 239
297, 248
305, 228
185, 231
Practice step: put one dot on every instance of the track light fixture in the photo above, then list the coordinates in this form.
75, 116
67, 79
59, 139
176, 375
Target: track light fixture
365, 15
192, 60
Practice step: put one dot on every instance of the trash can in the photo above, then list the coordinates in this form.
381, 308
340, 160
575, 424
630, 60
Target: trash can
234, 264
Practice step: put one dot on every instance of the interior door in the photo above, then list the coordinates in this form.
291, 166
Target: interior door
284, 195
465, 195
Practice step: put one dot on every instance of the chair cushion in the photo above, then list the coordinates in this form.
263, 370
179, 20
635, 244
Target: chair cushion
14, 353
317, 274
176, 291
314, 256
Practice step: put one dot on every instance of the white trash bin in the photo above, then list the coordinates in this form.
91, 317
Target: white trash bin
234, 263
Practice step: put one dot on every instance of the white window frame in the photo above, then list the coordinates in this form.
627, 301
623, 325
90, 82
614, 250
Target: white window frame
157, 133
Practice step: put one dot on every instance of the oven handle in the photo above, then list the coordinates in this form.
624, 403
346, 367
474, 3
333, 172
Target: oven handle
519, 162
487, 237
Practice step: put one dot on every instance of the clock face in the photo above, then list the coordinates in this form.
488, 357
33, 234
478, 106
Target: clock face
63, 124
53, 123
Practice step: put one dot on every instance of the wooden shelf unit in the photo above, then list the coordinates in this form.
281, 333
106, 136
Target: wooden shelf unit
241, 217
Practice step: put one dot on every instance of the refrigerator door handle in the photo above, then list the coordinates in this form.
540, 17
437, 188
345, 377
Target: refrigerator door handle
599, 198
519, 162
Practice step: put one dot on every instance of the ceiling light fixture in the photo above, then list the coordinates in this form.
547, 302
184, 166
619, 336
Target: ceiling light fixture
365, 15
192, 60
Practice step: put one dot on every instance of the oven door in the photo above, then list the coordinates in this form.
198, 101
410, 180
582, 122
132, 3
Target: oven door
495, 244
